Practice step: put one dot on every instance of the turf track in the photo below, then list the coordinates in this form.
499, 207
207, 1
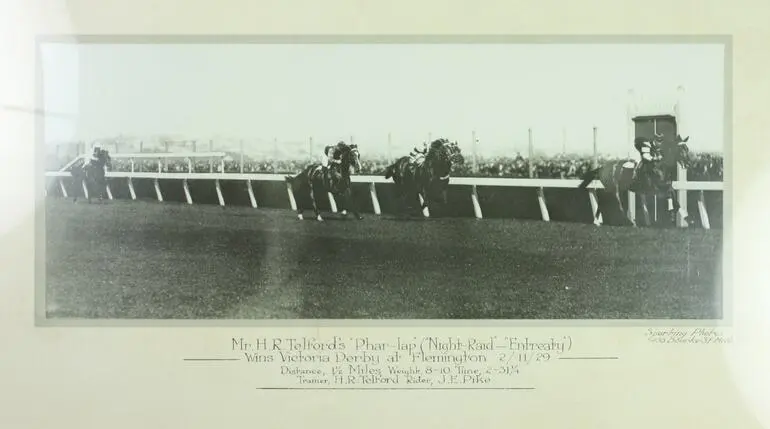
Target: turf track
137, 259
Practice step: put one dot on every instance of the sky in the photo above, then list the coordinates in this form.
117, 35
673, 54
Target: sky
282, 95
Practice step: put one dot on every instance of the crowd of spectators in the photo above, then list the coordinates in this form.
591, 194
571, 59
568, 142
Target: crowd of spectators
704, 167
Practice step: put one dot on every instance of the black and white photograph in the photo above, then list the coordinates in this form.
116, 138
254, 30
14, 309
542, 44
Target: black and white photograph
391, 180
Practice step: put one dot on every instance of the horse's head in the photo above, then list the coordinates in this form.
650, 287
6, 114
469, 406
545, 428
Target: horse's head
455, 154
104, 156
439, 156
350, 157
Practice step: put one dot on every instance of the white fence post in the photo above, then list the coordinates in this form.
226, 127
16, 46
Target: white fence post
543, 207
158, 193
220, 197
131, 188
187, 194
704, 216
594, 206
292, 201
475, 201
375, 200
252, 198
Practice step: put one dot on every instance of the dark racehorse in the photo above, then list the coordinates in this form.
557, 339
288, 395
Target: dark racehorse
429, 180
316, 179
91, 174
623, 175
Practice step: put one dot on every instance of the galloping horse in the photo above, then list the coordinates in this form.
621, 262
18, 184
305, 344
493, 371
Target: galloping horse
428, 179
623, 175
91, 174
334, 179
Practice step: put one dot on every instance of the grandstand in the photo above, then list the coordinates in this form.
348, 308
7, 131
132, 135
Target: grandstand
705, 166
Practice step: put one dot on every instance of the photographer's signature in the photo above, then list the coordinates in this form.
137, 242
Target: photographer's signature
687, 336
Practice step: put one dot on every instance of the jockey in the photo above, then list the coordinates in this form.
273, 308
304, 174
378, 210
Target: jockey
648, 152
330, 152
417, 154
94, 158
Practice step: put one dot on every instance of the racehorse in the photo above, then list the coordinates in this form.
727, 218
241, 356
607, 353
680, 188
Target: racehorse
334, 179
429, 179
91, 174
623, 175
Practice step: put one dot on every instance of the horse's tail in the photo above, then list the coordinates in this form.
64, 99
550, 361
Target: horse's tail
589, 177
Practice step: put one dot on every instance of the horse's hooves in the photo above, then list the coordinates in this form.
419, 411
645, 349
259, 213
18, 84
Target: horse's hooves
319, 219
300, 217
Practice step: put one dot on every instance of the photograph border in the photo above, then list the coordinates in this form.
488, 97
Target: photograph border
727, 206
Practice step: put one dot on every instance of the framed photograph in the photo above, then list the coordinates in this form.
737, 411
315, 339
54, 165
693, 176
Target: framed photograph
273, 178
235, 210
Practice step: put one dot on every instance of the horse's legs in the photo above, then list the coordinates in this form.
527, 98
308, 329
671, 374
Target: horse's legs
407, 205
597, 214
423, 197
400, 200
444, 203
620, 208
297, 201
315, 205
646, 211
674, 207
671, 209
402, 207
424, 193
598, 211
103, 190
349, 202
342, 203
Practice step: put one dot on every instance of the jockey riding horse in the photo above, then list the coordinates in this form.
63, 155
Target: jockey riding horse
652, 175
645, 174
92, 172
425, 172
332, 176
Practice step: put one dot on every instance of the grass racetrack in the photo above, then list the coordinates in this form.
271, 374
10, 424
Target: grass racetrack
139, 259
